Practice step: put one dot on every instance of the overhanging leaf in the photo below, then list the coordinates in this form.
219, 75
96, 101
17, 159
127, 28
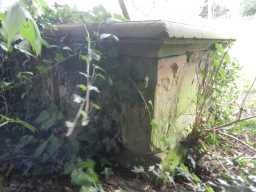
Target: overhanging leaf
19, 21
14, 19
29, 30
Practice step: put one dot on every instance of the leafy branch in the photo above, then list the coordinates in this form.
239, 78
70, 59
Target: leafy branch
4, 120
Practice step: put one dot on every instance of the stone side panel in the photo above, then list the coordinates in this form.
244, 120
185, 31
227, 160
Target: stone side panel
174, 106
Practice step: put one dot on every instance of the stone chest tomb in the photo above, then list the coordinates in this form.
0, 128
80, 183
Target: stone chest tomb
157, 64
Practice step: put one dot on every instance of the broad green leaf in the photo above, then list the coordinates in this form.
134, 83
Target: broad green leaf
2, 16
12, 23
19, 21
29, 31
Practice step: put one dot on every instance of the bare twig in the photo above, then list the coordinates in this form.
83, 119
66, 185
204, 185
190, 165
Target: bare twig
230, 123
245, 99
238, 140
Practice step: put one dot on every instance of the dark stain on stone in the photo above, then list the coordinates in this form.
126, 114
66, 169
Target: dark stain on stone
174, 68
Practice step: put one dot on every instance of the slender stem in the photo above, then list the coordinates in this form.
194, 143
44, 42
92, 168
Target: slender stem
238, 140
245, 99
88, 65
73, 131
230, 123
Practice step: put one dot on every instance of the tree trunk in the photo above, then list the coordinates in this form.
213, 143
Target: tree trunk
124, 9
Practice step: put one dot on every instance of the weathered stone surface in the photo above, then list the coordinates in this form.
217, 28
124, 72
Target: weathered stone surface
155, 79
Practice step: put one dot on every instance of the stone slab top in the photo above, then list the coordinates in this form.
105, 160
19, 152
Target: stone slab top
152, 30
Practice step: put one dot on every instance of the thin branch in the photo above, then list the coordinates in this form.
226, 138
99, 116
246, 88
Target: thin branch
230, 123
238, 140
245, 99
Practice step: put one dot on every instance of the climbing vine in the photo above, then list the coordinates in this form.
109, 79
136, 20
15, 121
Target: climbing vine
30, 59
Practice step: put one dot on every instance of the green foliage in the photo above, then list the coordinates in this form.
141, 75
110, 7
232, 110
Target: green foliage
19, 21
22, 74
4, 120
86, 177
157, 174
248, 7
217, 90
49, 117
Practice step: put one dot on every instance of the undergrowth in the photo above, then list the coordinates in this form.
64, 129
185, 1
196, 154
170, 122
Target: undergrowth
38, 139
